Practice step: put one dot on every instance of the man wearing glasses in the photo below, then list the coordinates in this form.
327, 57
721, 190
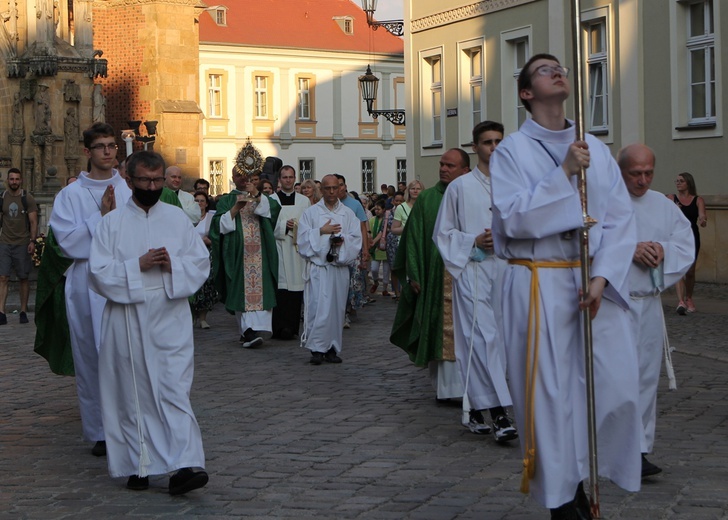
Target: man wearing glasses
77, 211
536, 217
147, 261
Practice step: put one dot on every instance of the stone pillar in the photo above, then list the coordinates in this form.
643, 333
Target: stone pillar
83, 28
28, 172
71, 166
16, 149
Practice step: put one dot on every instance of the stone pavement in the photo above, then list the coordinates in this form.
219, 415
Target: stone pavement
361, 440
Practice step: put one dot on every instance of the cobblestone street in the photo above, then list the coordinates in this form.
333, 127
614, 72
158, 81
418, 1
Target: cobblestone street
364, 439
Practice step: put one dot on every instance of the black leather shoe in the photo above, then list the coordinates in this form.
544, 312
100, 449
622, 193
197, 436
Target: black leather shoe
316, 358
136, 483
564, 512
649, 469
331, 357
581, 503
99, 449
186, 480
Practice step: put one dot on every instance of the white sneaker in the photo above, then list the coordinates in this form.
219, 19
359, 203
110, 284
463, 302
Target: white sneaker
476, 424
347, 323
204, 325
503, 429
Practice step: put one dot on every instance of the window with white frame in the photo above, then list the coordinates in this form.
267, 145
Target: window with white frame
303, 109
217, 168
471, 87
305, 169
221, 16
261, 85
402, 170
696, 68
368, 175
515, 52
521, 54
598, 77
701, 62
214, 108
431, 98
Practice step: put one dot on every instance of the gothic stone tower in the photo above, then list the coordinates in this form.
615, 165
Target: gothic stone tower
152, 47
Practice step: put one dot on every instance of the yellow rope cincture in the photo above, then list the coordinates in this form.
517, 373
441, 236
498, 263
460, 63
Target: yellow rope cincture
534, 324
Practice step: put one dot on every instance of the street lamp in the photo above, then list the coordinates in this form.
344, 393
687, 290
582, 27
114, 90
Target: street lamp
395, 27
369, 84
133, 133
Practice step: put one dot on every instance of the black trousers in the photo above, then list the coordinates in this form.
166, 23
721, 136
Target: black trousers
287, 312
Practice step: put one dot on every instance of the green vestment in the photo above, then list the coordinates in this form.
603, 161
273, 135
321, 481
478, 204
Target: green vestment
52, 338
228, 270
170, 197
418, 325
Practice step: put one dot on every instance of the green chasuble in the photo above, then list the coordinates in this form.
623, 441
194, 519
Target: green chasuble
52, 338
228, 270
170, 197
419, 328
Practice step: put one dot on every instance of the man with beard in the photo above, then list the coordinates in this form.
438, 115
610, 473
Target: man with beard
147, 260
77, 211
19, 222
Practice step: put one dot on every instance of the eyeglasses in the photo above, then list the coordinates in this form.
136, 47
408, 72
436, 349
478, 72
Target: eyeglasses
104, 147
146, 181
549, 70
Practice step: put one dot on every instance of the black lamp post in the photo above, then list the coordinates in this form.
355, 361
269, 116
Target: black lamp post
148, 139
369, 84
395, 27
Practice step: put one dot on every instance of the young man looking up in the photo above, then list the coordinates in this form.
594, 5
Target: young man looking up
536, 217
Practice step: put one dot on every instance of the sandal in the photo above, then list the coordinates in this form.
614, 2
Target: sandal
374, 287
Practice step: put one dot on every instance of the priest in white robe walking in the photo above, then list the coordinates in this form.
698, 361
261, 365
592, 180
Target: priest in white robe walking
329, 239
77, 211
536, 216
463, 237
146, 259
665, 251
289, 295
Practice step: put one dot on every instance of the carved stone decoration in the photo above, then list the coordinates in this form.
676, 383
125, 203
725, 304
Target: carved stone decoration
463, 13
71, 132
43, 65
18, 129
71, 91
71, 166
99, 105
249, 159
42, 112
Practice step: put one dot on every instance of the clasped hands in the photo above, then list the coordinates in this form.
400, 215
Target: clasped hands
650, 254
155, 257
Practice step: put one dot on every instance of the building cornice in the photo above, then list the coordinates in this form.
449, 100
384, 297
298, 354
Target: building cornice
110, 4
463, 13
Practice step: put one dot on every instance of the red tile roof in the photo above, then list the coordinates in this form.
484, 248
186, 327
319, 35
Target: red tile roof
300, 24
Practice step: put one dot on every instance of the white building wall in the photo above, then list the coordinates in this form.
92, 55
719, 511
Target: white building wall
331, 152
